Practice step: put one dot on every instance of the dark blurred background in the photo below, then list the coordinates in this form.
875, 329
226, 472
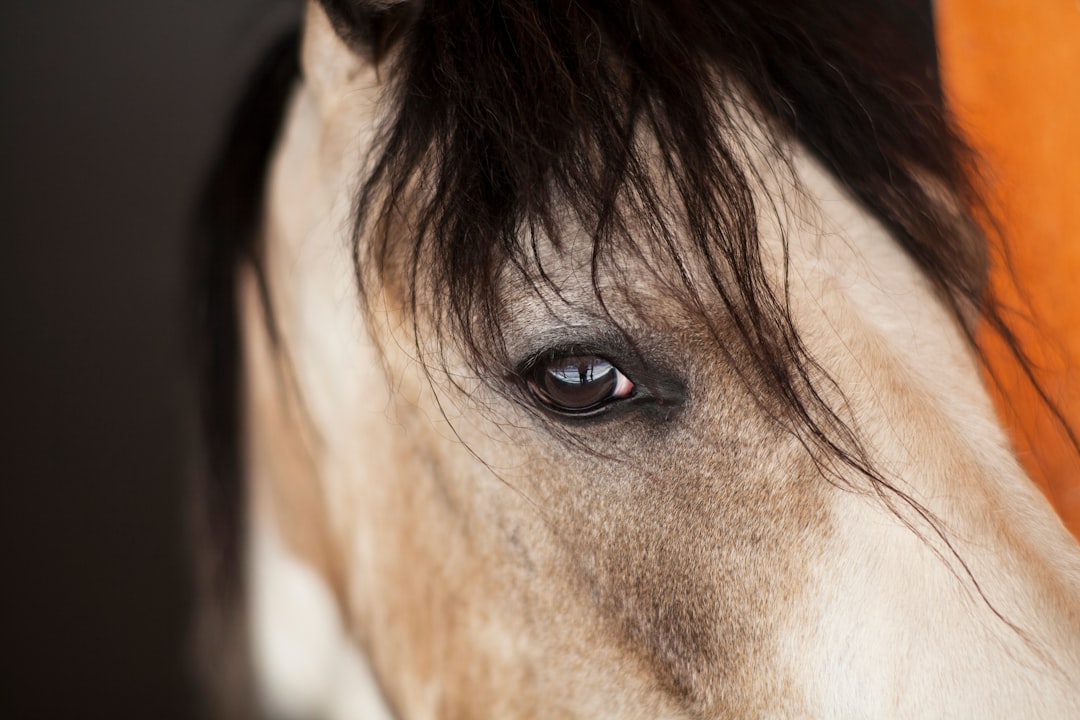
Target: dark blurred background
109, 115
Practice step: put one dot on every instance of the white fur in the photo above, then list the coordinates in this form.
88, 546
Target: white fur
305, 664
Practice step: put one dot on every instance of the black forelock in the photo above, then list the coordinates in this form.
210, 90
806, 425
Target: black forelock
504, 115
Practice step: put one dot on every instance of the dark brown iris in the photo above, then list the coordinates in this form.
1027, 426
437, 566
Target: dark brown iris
578, 383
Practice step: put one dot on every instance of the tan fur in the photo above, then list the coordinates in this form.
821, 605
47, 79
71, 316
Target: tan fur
485, 569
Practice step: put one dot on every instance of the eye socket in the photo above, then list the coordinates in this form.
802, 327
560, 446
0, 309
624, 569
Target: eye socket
578, 384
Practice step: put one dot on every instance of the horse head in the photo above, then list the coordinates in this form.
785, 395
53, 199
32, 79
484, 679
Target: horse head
616, 360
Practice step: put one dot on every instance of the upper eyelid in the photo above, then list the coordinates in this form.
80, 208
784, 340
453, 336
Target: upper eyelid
611, 349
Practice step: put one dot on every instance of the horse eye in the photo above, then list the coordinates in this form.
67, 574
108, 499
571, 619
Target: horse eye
578, 384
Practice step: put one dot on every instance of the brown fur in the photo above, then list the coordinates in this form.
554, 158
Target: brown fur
492, 562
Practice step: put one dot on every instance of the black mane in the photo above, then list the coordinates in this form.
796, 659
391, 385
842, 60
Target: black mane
505, 111
226, 235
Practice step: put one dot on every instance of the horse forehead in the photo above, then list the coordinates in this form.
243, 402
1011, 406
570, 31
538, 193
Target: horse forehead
803, 216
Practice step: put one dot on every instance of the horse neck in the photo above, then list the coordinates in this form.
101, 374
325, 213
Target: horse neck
985, 625
968, 596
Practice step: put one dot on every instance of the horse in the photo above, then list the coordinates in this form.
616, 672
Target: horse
613, 359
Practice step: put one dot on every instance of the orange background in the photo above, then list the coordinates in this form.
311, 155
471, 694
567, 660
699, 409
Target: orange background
1011, 71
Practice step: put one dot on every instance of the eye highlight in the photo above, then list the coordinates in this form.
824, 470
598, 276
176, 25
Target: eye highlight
577, 384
